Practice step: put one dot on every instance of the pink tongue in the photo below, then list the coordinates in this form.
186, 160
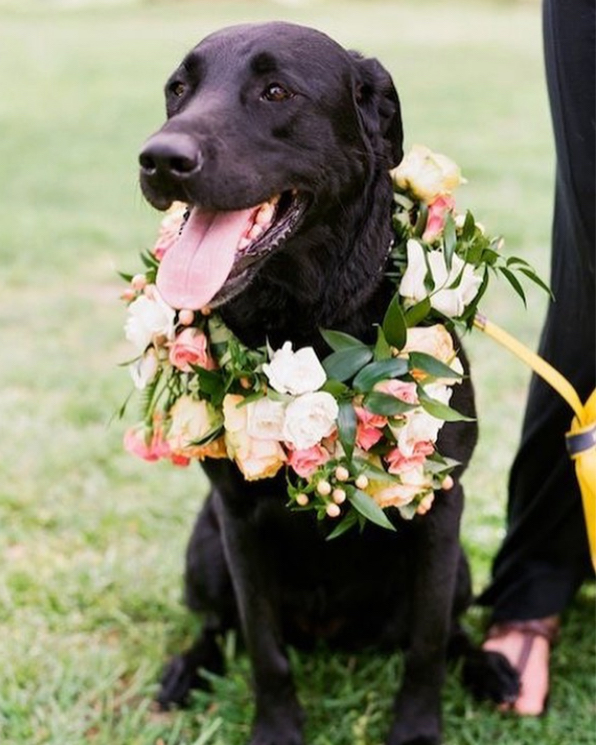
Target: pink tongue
198, 264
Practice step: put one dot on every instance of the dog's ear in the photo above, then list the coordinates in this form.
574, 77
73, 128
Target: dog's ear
379, 107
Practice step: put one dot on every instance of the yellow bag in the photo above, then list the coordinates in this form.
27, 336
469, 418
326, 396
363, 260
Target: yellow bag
581, 438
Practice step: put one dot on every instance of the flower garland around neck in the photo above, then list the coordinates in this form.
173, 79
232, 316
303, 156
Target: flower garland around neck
355, 432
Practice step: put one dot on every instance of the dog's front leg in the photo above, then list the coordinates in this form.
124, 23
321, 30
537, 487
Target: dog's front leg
418, 703
278, 716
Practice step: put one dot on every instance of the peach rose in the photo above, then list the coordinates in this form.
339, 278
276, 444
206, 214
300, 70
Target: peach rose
398, 462
191, 420
369, 428
412, 483
256, 459
190, 347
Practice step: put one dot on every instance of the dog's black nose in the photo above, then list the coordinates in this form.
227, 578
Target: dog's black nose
170, 154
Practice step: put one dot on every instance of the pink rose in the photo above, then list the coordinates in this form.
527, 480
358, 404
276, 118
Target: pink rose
151, 449
306, 462
405, 392
369, 428
190, 348
399, 463
437, 214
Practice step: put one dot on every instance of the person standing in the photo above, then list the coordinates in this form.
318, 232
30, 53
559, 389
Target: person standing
544, 557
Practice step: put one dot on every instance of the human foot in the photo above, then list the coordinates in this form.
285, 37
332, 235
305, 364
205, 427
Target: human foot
526, 644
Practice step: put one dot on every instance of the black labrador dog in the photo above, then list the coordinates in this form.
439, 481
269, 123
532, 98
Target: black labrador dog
279, 110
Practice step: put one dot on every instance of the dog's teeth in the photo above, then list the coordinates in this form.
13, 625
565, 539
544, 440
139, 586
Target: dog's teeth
255, 231
244, 243
265, 214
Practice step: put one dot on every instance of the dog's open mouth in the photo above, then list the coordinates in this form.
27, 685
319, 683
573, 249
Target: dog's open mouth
218, 253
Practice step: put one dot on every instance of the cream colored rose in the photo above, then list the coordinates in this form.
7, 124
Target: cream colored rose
256, 459
149, 317
435, 341
143, 370
191, 420
265, 419
452, 302
406, 487
309, 418
295, 372
427, 174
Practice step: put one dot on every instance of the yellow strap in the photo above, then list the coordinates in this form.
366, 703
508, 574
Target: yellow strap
583, 422
541, 367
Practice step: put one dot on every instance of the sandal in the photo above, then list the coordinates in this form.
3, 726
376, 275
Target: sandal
526, 644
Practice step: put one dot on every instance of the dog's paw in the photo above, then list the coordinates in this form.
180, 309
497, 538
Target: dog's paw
490, 675
405, 736
179, 678
280, 729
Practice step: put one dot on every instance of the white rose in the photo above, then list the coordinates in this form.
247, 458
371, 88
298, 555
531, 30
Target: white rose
427, 174
148, 317
295, 372
309, 418
142, 371
265, 419
452, 302
419, 425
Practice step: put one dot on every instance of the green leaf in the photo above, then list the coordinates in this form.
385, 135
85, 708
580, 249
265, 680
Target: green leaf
440, 410
209, 382
531, 274
382, 349
345, 363
126, 277
417, 313
394, 324
386, 405
375, 473
339, 341
377, 371
335, 388
469, 313
346, 425
422, 219
469, 227
449, 240
431, 365
367, 506
209, 436
348, 522
514, 282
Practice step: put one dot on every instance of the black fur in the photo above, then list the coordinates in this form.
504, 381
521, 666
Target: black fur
251, 563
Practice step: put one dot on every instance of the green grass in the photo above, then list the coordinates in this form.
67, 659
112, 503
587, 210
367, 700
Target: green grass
91, 540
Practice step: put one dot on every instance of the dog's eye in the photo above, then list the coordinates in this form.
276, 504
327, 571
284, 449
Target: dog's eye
276, 92
177, 89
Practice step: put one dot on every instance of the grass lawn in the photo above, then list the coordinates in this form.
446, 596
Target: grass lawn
92, 540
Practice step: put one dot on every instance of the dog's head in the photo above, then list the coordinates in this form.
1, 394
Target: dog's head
268, 127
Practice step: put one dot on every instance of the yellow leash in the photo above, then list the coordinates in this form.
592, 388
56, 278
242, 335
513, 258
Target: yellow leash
581, 438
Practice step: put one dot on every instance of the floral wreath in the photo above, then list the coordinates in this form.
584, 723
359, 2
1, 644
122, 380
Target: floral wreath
356, 432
